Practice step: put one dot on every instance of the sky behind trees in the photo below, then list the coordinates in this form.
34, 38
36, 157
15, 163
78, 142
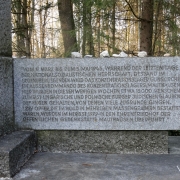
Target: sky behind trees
54, 28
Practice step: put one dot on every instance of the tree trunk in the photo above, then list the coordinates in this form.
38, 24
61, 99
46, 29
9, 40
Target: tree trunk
67, 26
146, 29
84, 29
89, 31
158, 28
175, 31
25, 25
31, 27
19, 30
114, 27
98, 32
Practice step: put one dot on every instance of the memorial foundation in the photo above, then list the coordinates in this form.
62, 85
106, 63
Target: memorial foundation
121, 142
83, 100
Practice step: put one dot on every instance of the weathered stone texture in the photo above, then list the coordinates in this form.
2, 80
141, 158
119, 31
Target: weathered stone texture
174, 144
6, 96
15, 150
97, 94
5, 24
122, 142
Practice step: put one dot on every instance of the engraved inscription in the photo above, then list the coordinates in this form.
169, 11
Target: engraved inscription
109, 95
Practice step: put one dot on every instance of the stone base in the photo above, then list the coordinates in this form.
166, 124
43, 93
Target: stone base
174, 144
15, 150
122, 142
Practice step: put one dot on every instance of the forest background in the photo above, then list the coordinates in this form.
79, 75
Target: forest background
54, 28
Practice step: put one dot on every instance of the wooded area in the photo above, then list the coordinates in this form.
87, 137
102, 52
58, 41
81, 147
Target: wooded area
54, 28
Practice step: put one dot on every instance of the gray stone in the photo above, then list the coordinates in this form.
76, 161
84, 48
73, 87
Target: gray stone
174, 144
93, 166
122, 142
15, 150
5, 32
98, 94
6, 96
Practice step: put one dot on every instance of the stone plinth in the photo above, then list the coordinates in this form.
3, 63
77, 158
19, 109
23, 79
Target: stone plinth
15, 150
122, 142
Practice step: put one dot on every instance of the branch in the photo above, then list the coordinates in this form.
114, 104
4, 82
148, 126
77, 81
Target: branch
139, 18
133, 11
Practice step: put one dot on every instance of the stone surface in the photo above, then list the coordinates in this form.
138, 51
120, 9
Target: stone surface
6, 96
15, 150
123, 142
92, 166
5, 32
98, 94
174, 144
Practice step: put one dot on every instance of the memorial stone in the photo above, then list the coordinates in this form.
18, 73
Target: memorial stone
91, 101
5, 32
98, 94
6, 76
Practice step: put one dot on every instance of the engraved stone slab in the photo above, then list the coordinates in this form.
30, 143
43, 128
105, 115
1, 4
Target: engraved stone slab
98, 94
5, 24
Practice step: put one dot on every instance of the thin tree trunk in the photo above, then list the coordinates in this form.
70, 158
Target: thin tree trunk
89, 31
98, 32
84, 28
20, 31
31, 27
25, 25
146, 29
113, 27
174, 32
157, 29
41, 33
128, 30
